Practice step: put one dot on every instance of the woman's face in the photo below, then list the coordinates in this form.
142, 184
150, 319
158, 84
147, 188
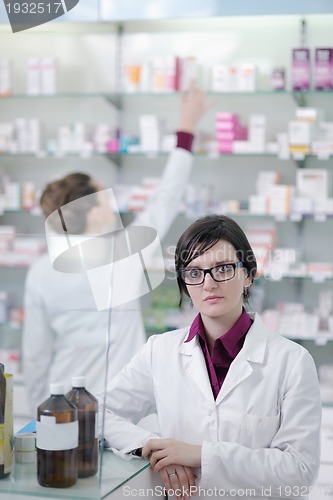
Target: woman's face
219, 299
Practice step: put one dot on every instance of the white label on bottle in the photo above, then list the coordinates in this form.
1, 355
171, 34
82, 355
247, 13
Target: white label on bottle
57, 437
48, 420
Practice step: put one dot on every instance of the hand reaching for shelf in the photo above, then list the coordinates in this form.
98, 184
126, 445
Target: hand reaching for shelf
193, 105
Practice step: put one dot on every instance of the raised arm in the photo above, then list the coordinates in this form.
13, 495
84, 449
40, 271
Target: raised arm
193, 105
163, 206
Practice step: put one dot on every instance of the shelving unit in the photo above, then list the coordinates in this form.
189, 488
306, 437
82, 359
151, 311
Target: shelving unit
91, 90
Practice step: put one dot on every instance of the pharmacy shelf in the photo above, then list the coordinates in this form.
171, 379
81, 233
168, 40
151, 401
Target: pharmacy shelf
282, 217
152, 93
100, 94
157, 154
42, 155
115, 98
268, 92
216, 156
61, 95
35, 212
322, 338
295, 218
23, 267
316, 277
318, 340
8, 328
16, 267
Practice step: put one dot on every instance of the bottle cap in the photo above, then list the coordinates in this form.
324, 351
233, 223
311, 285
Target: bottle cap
79, 381
57, 389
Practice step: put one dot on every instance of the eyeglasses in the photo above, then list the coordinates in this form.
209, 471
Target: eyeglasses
223, 272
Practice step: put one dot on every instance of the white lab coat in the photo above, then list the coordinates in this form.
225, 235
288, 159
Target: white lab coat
64, 334
262, 432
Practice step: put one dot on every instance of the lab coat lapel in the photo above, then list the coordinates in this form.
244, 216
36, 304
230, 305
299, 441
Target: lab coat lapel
239, 370
253, 352
195, 365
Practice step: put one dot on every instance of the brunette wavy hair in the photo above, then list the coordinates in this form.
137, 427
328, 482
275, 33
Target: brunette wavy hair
62, 191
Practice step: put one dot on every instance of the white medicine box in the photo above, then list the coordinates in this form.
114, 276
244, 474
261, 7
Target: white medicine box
300, 133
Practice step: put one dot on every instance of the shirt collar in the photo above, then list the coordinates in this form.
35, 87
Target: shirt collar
230, 339
196, 328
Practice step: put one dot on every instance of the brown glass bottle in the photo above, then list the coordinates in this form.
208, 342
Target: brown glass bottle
57, 440
2, 420
87, 407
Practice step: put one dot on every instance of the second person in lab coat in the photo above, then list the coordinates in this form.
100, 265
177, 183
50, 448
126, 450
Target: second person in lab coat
64, 335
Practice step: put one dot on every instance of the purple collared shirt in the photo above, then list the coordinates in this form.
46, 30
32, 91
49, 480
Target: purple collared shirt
225, 348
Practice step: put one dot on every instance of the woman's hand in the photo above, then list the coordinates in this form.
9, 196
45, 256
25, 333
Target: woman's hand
164, 452
179, 479
193, 106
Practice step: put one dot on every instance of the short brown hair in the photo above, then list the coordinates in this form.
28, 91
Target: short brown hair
60, 192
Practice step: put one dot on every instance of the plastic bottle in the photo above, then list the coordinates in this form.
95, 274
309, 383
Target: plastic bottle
57, 440
6, 423
87, 406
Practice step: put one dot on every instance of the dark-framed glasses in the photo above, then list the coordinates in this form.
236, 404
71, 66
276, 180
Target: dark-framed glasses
222, 272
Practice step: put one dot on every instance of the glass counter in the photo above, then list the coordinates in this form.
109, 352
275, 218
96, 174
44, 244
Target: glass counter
115, 473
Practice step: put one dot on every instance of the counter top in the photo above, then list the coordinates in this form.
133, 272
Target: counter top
115, 473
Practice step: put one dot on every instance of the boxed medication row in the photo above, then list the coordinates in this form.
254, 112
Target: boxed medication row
41, 76
161, 74
323, 69
240, 78
15, 196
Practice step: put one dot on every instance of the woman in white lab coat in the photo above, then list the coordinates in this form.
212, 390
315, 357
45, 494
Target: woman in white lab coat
64, 333
238, 406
